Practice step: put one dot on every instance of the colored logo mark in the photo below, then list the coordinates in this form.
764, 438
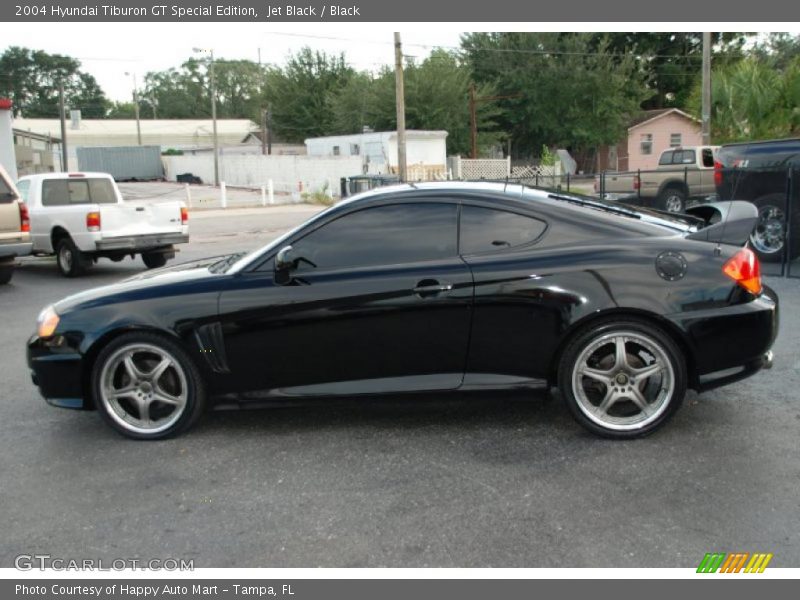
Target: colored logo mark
735, 562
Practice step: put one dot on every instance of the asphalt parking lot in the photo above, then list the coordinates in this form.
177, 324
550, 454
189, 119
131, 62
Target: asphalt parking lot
503, 480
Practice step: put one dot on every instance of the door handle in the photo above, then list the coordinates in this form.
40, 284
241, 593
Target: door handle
428, 287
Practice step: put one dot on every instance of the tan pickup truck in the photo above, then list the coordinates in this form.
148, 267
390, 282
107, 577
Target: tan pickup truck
15, 237
682, 173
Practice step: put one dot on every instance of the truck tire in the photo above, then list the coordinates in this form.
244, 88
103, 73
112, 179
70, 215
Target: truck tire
154, 260
71, 261
6, 272
672, 199
768, 237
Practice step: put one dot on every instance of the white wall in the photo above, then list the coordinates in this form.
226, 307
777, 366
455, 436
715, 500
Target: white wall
7, 156
255, 170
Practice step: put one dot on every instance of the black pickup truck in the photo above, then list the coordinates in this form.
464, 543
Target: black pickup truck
767, 173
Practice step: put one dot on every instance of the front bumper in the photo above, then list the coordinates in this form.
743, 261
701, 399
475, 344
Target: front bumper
15, 249
57, 370
138, 243
733, 342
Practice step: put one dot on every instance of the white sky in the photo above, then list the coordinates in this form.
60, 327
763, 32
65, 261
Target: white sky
108, 50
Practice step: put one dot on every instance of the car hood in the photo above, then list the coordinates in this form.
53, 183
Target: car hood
159, 282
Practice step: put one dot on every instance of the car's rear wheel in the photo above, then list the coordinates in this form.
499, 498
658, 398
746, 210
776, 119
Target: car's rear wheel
769, 236
6, 272
622, 378
154, 260
672, 200
71, 261
146, 386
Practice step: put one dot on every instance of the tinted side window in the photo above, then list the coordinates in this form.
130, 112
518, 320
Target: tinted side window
487, 229
384, 235
687, 157
61, 192
666, 158
6, 193
708, 157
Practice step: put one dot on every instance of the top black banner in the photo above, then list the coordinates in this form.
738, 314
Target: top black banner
405, 11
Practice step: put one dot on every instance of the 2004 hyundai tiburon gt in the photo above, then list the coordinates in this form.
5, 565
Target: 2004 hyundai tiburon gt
428, 287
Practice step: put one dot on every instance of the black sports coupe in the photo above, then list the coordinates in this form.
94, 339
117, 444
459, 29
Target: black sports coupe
427, 288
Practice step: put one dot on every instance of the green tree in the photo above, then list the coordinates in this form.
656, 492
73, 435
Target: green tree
436, 96
185, 92
31, 79
300, 92
575, 92
752, 100
672, 61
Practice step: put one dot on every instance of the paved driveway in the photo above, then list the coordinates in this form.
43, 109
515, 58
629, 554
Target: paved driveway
446, 480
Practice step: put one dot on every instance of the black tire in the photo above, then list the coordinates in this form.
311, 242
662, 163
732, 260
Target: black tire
195, 393
672, 199
772, 224
6, 272
71, 261
668, 387
154, 260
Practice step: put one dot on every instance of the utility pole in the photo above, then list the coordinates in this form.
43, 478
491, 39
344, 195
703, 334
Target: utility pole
62, 115
706, 110
214, 119
263, 131
473, 123
213, 109
136, 109
269, 129
401, 107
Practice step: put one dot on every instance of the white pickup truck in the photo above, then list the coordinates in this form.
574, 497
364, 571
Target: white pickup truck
81, 217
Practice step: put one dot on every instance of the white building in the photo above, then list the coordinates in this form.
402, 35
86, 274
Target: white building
426, 151
179, 134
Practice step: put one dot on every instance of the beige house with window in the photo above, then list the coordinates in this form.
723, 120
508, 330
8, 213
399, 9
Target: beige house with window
649, 134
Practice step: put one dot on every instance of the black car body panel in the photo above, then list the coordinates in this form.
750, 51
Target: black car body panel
499, 316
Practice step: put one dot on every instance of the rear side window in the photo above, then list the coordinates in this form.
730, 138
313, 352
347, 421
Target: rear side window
66, 192
489, 229
666, 158
708, 157
6, 191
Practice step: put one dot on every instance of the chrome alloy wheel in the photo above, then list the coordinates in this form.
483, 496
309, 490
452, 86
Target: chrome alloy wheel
143, 388
673, 203
623, 380
65, 258
767, 237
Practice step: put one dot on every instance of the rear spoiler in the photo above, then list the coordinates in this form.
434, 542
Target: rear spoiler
729, 222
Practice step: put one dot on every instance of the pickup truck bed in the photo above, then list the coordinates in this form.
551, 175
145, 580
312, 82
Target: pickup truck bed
81, 217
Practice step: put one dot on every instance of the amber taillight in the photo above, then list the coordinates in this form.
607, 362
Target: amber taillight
744, 268
24, 218
93, 221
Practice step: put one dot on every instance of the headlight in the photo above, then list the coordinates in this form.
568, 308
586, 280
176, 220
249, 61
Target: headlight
47, 322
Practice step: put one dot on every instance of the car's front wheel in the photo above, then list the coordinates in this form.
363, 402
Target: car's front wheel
622, 378
147, 387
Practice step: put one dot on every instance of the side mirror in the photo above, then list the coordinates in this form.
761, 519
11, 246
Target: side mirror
284, 260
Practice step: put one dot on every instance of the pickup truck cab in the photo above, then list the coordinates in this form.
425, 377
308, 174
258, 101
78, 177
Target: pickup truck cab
81, 217
682, 173
14, 227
